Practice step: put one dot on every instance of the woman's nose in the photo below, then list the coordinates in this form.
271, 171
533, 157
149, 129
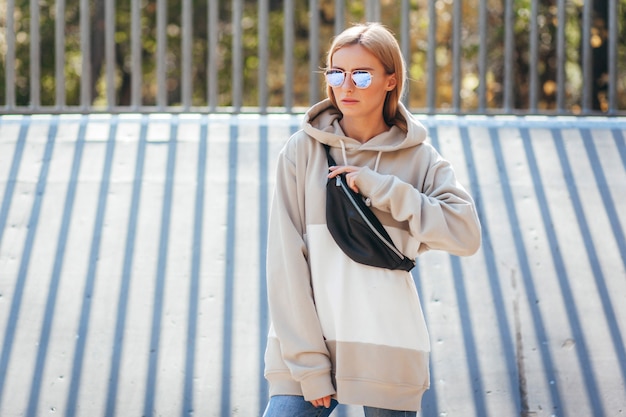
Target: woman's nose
348, 83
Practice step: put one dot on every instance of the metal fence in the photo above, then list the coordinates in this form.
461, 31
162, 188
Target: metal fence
480, 56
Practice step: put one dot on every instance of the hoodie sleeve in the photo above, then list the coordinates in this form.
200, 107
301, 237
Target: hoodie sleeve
290, 295
441, 215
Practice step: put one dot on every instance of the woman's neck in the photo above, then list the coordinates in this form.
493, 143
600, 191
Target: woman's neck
362, 130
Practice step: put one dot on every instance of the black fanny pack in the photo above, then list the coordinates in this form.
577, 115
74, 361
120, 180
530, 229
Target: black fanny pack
356, 229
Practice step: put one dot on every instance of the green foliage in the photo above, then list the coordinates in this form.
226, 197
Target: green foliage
354, 11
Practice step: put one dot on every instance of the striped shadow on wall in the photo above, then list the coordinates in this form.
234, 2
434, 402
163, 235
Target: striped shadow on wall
132, 266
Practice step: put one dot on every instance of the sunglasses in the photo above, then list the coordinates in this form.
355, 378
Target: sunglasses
360, 78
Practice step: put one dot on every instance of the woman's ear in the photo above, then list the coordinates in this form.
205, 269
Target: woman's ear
392, 81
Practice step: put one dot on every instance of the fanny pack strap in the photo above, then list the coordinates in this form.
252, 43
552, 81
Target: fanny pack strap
331, 161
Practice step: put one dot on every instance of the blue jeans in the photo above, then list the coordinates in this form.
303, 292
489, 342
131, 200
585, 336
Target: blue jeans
296, 406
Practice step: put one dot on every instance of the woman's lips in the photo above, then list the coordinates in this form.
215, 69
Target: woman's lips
349, 101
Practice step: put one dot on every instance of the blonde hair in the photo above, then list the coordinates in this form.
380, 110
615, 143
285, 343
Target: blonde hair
381, 43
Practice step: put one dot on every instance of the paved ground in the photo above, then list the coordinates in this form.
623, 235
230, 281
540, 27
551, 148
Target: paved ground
132, 282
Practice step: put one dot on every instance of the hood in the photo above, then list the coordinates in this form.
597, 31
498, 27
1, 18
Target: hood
322, 123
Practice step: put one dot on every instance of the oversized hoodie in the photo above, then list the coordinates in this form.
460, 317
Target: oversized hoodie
342, 328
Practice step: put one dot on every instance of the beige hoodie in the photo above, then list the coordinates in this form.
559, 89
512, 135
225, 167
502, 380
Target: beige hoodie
338, 327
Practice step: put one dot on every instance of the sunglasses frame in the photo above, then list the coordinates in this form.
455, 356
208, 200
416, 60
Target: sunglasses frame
352, 73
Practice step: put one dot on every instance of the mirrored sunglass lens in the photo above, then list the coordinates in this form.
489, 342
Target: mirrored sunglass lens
334, 78
362, 79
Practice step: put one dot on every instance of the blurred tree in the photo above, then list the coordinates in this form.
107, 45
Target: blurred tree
353, 11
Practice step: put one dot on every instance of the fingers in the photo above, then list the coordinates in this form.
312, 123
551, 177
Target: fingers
343, 169
351, 173
352, 184
322, 402
351, 180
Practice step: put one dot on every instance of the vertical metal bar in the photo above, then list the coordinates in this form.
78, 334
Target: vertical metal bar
405, 43
534, 55
9, 75
237, 78
109, 44
35, 58
237, 89
456, 56
85, 48
161, 51
288, 43
612, 56
212, 30
372, 11
560, 57
586, 58
432, 57
339, 16
508, 55
59, 54
314, 51
482, 56
135, 50
263, 51
187, 42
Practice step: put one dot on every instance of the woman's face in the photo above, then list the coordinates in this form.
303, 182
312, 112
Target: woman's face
361, 102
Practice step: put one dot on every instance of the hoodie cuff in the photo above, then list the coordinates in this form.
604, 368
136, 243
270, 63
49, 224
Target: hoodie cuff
368, 182
316, 387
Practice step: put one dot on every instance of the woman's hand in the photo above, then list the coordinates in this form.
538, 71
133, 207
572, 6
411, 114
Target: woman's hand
351, 174
322, 402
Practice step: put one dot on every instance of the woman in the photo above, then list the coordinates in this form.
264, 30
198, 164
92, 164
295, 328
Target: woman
344, 332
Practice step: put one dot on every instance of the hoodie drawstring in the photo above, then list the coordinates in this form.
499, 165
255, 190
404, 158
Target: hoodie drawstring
343, 153
345, 156
377, 161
